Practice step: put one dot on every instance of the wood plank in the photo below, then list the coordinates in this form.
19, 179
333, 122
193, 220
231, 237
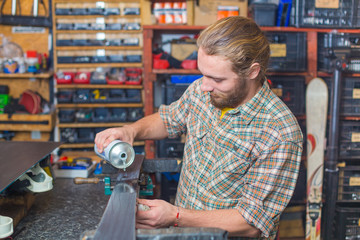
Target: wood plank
30, 136
89, 65
74, 17
91, 105
17, 87
27, 122
98, 31
20, 76
72, 48
79, 86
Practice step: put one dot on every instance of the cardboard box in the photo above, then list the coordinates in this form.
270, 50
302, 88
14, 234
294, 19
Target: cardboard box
182, 49
73, 173
205, 12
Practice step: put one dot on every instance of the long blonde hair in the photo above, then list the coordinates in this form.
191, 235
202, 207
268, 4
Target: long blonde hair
240, 40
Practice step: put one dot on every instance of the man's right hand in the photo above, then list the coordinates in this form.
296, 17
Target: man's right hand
104, 138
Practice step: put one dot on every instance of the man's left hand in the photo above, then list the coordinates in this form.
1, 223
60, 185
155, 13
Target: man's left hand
160, 215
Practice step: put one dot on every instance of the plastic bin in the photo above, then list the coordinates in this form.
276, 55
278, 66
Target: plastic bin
349, 144
344, 15
184, 79
66, 115
84, 115
133, 95
64, 96
85, 135
99, 95
118, 115
288, 51
170, 148
101, 115
172, 92
264, 14
68, 135
82, 96
349, 188
347, 223
135, 114
291, 90
329, 43
117, 96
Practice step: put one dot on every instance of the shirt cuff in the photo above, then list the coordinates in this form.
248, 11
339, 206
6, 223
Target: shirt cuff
255, 215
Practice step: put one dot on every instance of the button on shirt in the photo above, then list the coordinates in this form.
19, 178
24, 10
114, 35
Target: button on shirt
247, 160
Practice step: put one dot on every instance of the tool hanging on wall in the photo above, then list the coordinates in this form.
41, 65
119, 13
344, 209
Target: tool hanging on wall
16, 17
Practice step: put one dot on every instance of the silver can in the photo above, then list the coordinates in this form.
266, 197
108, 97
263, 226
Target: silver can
118, 153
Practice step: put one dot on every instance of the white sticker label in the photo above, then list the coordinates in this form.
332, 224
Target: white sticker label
100, 20
100, 4
100, 36
356, 93
355, 137
100, 52
354, 181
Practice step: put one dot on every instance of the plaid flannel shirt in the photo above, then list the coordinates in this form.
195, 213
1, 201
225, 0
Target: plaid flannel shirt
248, 160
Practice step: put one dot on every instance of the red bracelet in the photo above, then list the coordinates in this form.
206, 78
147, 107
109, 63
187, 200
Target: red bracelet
177, 218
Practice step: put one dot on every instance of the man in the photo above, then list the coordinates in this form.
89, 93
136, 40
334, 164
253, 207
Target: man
243, 145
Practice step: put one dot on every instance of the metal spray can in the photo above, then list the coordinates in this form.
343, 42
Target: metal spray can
118, 153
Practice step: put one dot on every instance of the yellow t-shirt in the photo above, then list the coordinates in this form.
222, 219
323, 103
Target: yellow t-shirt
224, 110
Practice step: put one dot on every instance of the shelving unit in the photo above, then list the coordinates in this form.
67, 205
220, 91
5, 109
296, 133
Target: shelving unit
107, 38
28, 126
151, 34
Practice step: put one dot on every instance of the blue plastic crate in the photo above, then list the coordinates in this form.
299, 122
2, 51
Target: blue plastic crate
184, 78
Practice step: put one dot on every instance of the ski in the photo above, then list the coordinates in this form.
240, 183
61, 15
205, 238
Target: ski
316, 118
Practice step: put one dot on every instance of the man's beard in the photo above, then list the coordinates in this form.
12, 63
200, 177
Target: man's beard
233, 99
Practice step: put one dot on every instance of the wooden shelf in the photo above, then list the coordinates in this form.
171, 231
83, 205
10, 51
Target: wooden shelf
99, 31
87, 86
96, 16
350, 118
176, 71
91, 105
320, 30
174, 27
76, 48
91, 145
270, 73
27, 122
25, 75
325, 74
91, 1
92, 65
91, 125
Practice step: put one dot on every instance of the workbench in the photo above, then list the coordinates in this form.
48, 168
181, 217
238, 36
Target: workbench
63, 213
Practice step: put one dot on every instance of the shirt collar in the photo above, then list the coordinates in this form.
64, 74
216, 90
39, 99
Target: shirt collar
250, 109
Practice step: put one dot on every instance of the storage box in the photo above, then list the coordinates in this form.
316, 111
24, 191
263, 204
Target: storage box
328, 14
347, 220
170, 148
287, 51
291, 90
349, 184
181, 49
343, 43
73, 173
205, 11
349, 139
172, 92
264, 14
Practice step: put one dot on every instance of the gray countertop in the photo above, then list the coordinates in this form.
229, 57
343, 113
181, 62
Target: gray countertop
65, 212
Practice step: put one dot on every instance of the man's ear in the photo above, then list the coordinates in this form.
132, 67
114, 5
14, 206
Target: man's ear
254, 70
